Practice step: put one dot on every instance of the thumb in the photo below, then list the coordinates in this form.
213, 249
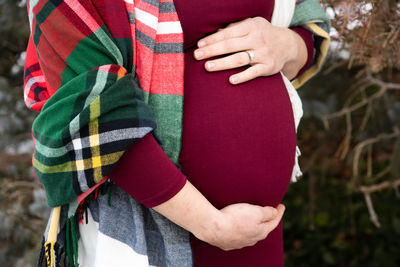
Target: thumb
268, 213
272, 224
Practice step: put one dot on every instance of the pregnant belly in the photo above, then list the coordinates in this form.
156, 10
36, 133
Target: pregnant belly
238, 142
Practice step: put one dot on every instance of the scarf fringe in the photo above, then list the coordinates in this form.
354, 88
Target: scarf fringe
65, 249
41, 254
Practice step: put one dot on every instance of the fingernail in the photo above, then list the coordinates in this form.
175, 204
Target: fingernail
274, 212
201, 44
234, 79
210, 65
198, 53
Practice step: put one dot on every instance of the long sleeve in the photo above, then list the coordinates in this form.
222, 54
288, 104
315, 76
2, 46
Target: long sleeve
309, 15
146, 173
91, 105
307, 37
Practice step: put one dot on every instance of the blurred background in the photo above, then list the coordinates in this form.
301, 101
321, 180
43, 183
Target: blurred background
345, 210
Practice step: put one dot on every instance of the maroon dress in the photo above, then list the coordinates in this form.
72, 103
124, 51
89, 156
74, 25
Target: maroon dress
238, 142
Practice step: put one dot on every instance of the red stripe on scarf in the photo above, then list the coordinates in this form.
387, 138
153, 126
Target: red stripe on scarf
162, 81
115, 16
70, 15
149, 8
168, 17
144, 60
140, 26
170, 38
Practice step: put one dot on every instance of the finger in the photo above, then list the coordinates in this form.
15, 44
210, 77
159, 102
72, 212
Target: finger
234, 30
233, 24
272, 224
268, 213
249, 74
229, 62
229, 25
223, 47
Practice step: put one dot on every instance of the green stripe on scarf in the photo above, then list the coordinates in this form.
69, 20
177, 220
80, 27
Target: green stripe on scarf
309, 10
167, 110
88, 102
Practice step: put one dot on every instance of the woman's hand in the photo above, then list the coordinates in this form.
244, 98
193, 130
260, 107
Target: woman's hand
243, 225
275, 49
233, 227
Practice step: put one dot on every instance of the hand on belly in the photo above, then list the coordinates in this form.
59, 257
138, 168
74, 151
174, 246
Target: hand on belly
242, 225
255, 41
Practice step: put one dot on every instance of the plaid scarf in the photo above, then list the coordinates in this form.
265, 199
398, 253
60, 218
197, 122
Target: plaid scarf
102, 83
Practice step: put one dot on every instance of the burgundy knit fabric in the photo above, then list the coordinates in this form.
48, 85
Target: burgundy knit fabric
309, 41
238, 142
146, 173
141, 181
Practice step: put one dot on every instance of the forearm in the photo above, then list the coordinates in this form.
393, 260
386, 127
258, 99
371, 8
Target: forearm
192, 211
147, 174
233, 227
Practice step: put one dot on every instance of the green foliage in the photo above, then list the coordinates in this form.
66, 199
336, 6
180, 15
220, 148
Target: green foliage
338, 232
327, 221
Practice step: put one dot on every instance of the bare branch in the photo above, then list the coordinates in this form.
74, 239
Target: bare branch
366, 117
384, 172
360, 146
369, 161
354, 107
367, 190
372, 214
382, 84
345, 145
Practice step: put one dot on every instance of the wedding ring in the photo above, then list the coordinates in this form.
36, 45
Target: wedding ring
251, 56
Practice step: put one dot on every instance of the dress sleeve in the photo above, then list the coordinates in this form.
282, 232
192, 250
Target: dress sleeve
80, 76
146, 173
309, 41
309, 15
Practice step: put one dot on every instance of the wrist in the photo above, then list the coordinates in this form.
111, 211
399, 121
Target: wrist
209, 230
297, 54
193, 212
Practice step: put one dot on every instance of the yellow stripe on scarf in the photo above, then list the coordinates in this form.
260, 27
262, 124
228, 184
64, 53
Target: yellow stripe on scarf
324, 50
52, 236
